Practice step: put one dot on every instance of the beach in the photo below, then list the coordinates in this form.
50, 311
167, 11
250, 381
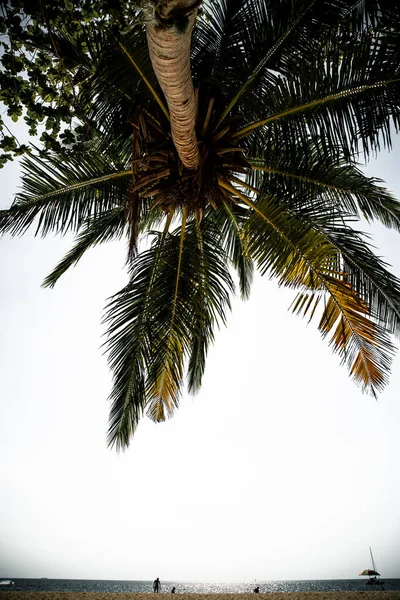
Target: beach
376, 594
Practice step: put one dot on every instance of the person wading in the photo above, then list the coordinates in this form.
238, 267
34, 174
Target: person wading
157, 585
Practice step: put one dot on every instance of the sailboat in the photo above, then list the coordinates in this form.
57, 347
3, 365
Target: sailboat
372, 573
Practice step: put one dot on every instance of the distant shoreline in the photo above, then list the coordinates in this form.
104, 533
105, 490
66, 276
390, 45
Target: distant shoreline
342, 595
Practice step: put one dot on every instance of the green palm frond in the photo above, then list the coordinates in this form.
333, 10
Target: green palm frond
146, 81
193, 298
169, 354
365, 272
155, 326
237, 42
279, 246
124, 79
274, 48
105, 228
296, 249
60, 195
347, 100
128, 342
127, 345
306, 174
230, 220
213, 286
368, 276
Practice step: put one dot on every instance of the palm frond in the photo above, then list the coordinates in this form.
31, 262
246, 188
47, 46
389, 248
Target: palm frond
347, 100
193, 299
62, 193
361, 343
238, 41
162, 320
368, 276
280, 247
305, 174
291, 26
107, 227
167, 365
127, 345
146, 81
213, 287
230, 220
302, 256
365, 272
345, 95
123, 80
129, 339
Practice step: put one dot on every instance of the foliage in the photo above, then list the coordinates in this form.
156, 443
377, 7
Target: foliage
50, 51
289, 95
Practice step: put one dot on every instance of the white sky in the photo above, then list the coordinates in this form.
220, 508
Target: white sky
278, 469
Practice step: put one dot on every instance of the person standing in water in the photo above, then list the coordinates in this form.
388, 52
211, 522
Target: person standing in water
157, 585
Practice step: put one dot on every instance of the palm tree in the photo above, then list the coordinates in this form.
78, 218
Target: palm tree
247, 157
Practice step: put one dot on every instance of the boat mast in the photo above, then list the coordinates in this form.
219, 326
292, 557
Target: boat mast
372, 559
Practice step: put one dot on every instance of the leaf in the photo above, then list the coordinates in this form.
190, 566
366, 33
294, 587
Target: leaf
157, 328
96, 231
60, 195
303, 255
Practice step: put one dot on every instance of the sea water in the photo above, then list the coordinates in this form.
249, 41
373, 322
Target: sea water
189, 587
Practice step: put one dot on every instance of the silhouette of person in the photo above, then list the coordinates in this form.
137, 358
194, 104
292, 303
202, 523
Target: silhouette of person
173, 590
157, 585
256, 590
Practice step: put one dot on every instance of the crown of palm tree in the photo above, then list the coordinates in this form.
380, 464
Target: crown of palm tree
259, 170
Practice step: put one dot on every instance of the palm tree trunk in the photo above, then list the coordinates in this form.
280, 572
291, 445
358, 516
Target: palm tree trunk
170, 56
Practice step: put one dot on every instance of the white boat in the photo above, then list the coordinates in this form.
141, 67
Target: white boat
6, 582
373, 575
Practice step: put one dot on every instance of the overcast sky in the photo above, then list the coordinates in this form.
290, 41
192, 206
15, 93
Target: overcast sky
280, 468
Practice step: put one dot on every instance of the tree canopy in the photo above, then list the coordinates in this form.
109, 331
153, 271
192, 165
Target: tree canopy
50, 52
280, 101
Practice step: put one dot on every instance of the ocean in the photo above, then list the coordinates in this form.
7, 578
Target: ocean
100, 585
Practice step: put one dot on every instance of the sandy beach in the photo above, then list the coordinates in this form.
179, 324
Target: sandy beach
358, 595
